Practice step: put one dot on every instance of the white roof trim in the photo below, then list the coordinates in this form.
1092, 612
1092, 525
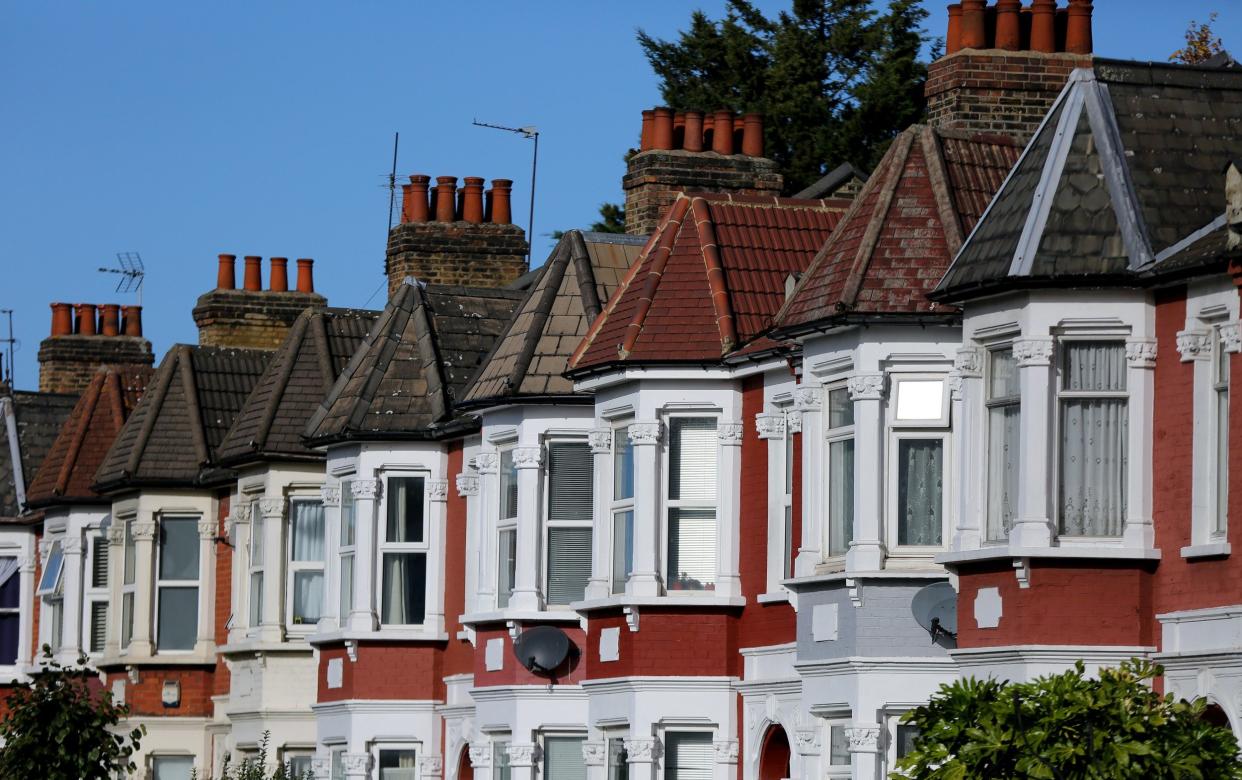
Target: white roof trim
1117, 174
1189, 240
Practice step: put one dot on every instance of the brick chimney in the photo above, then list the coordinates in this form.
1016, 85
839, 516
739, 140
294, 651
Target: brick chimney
86, 336
694, 151
447, 236
1005, 64
252, 316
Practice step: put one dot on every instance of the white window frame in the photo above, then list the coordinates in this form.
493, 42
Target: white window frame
619, 506
677, 728
52, 595
384, 546
990, 403
892, 722
838, 770
548, 523
916, 430
129, 590
832, 436
380, 746
500, 745
898, 379
346, 552
16, 555
293, 568
161, 584
609, 737
55, 552
781, 467
544, 736
93, 594
669, 504
154, 757
505, 525
256, 552
1222, 362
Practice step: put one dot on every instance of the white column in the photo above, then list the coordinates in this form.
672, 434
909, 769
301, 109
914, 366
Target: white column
1196, 346
594, 755
1140, 381
27, 564
488, 464
437, 491
521, 757
728, 480
330, 495
598, 586
431, 767
725, 751
481, 760
116, 573
867, 551
771, 430
526, 591
271, 627
239, 525
1033, 526
468, 488
143, 531
205, 641
641, 756
71, 577
645, 579
969, 475
808, 408
864, 747
362, 616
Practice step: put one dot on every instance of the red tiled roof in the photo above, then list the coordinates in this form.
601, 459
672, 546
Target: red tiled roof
898, 239
68, 470
709, 280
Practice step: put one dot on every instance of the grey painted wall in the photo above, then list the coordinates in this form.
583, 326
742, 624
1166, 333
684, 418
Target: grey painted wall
882, 626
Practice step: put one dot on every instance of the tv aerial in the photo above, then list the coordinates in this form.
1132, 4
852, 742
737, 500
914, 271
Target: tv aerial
935, 609
529, 132
131, 271
543, 650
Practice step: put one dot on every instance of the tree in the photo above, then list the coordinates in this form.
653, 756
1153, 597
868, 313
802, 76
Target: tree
835, 79
256, 768
1067, 726
611, 220
1201, 43
59, 728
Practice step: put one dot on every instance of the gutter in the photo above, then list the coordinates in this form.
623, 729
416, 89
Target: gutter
15, 450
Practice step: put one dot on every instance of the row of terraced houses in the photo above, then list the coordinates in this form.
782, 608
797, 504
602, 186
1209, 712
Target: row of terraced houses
720, 455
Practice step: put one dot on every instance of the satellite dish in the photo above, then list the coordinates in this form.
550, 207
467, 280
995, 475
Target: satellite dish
542, 649
935, 609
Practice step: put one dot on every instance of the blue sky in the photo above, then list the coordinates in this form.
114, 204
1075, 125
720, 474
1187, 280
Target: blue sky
183, 130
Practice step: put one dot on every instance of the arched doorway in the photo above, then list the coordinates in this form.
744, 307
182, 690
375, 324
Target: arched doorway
1216, 716
774, 756
465, 769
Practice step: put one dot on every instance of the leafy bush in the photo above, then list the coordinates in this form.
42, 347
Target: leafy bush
256, 768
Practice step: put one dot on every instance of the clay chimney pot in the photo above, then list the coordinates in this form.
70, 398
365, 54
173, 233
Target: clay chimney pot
974, 30
253, 275
85, 319
1008, 34
278, 279
446, 190
110, 319
225, 277
645, 138
662, 129
62, 319
722, 132
306, 275
415, 208
694, 132
133, 320
752, 135
501, 207
953, 36
1043, 26
1078, 29
472, 200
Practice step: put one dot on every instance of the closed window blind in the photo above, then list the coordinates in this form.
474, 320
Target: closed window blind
687, 756
99, 625
569, 564
692, 459
99, 564
692, 549
563, 758
570, 495
692, 497
570, 484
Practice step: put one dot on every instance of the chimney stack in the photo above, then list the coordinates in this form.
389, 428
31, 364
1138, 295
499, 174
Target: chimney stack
249, 317
84, 337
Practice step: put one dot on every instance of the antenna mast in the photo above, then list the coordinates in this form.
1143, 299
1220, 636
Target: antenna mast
392, 182
132, 273
9, 342
532, 132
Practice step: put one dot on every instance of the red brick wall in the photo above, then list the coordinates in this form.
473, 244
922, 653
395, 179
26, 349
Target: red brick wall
144, 697
224, 595
670, 642
514, 673
459, 655
384, 670
37, 607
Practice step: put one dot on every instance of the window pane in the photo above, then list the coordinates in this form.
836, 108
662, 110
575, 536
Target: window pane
563, 758
687, 756
347, 514
838, 746
172, 767
570, 484
920, 399
338, 765
405, 588
307, 597
51, 570
307, 531
906, 735
691, 549
256, 536
347, 586
789, 460
507, 556
299, 766
1004, 460
10, 624
508, 486
840, 495
179, 549
1002, 374
99, 563
569, 564
10, 584
500, 761
397, 765
1094, 365
256, 598
788, 562
1093, 466
127, 619
130, 554
618, 760
692, 459
622, 465
99, 625
405, 509
840, 408
1222, 457
57, 621
178, 619
919, 491
622, 549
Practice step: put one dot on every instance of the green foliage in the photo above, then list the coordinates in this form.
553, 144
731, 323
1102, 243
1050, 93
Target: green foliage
1202, 43
1067, 726
611, 220
256, 768
834, 79
57, 728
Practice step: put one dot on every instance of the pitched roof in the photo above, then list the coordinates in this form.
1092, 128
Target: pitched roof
709, 280
175, 431
297, 377
68, 471
530, 357
404, 379
36, 417
1125, 167
895, 243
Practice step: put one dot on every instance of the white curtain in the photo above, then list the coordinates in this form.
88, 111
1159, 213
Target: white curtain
1093, 442
840, 496
404, 588
308, 596
8, 567
308, 531
398, 765
919, 491
1004, 457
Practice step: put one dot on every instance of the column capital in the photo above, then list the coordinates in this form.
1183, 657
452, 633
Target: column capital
808, 398
641, 751
770, 426
968, 361
729, 433
365, 489
866, 386
527, 457
239, 510
593, 753
321, 768
72, 544
863, 737
726, 751
116, 534
431, 766
1033, 350
1193, 345
480, 754
1141, 353
356, 764
643, 433
143, 532
521, 753
273, 508
467, 484
1231, 334
330, 495
437, 489
600, 440
487, 462
793, 421
27, 563
208, 528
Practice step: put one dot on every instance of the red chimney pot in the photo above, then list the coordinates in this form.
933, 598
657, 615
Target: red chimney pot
446, 189
278, 279
501, 210
253, 278
644, 139
62, 319
110, 319
225, 278
722, 132
662, 129
752, 135
306, 275
1043, 26
1008, 35
133, 320
694, 132
973, 34
86, 319
953, 37
414, 208
472, 200
1078, 30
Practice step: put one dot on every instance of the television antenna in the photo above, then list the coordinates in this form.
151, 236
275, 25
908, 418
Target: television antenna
9, 342
131, 271
532, 132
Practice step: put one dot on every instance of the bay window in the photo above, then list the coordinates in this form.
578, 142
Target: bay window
1093, 437
129, 579
176, 586
622, 509
255, 553
347, 551
688, 755
305, 566
840, 445
1220, 391
10, 609
403, 553
95, 596
1004, 455
691, 538
568, 525
506, 545
562, 758
917, 461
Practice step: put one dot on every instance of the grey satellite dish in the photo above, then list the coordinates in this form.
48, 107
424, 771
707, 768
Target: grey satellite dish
935, 609
542, 649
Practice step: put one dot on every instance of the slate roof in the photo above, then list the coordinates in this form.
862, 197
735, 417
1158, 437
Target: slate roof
68, 471
37, 418
174, 433
316, 351
1125, 168
530, 357
403, 381
709, 280
895, 243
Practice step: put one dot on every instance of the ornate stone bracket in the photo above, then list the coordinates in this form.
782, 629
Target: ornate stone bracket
1141, 353
641, 751
863, 737
521, 754
593, 753
601, 441
808, 398
770, 426
437, 489
467, 484
527, 457
365, 489
793, 421
208, 528
143, 532
431, 766
487, 462
866, 386
1194, 345
480, 755
726, 751
330, 495
1034, 351
643, 433
1231, 335
730, 434
273, 508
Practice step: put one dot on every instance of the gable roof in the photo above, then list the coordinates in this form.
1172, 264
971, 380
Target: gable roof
1125, 167
175, 430
36, 418
68, 471
708, 281
893, 246
403, 381
530, 357
270, 423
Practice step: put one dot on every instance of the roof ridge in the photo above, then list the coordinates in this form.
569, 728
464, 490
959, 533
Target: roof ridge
428, 346
938, 175
717, 283
663, 250
584, 273
91, 400
151, 402
539, 317
190, 387
892, 178
294, 340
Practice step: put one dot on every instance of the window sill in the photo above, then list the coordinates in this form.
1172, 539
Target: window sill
778, 597
158, 659
705, 602
522, 615
382, 635
1079, 552
928, 573
294, 645
1210, 550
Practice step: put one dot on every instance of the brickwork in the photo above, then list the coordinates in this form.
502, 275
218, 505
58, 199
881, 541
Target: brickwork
259, 319
384, 670
224, 594
68, 363
459, 655
654, 178
465, 253
145, 697
513, 673
993, 91
670, 642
